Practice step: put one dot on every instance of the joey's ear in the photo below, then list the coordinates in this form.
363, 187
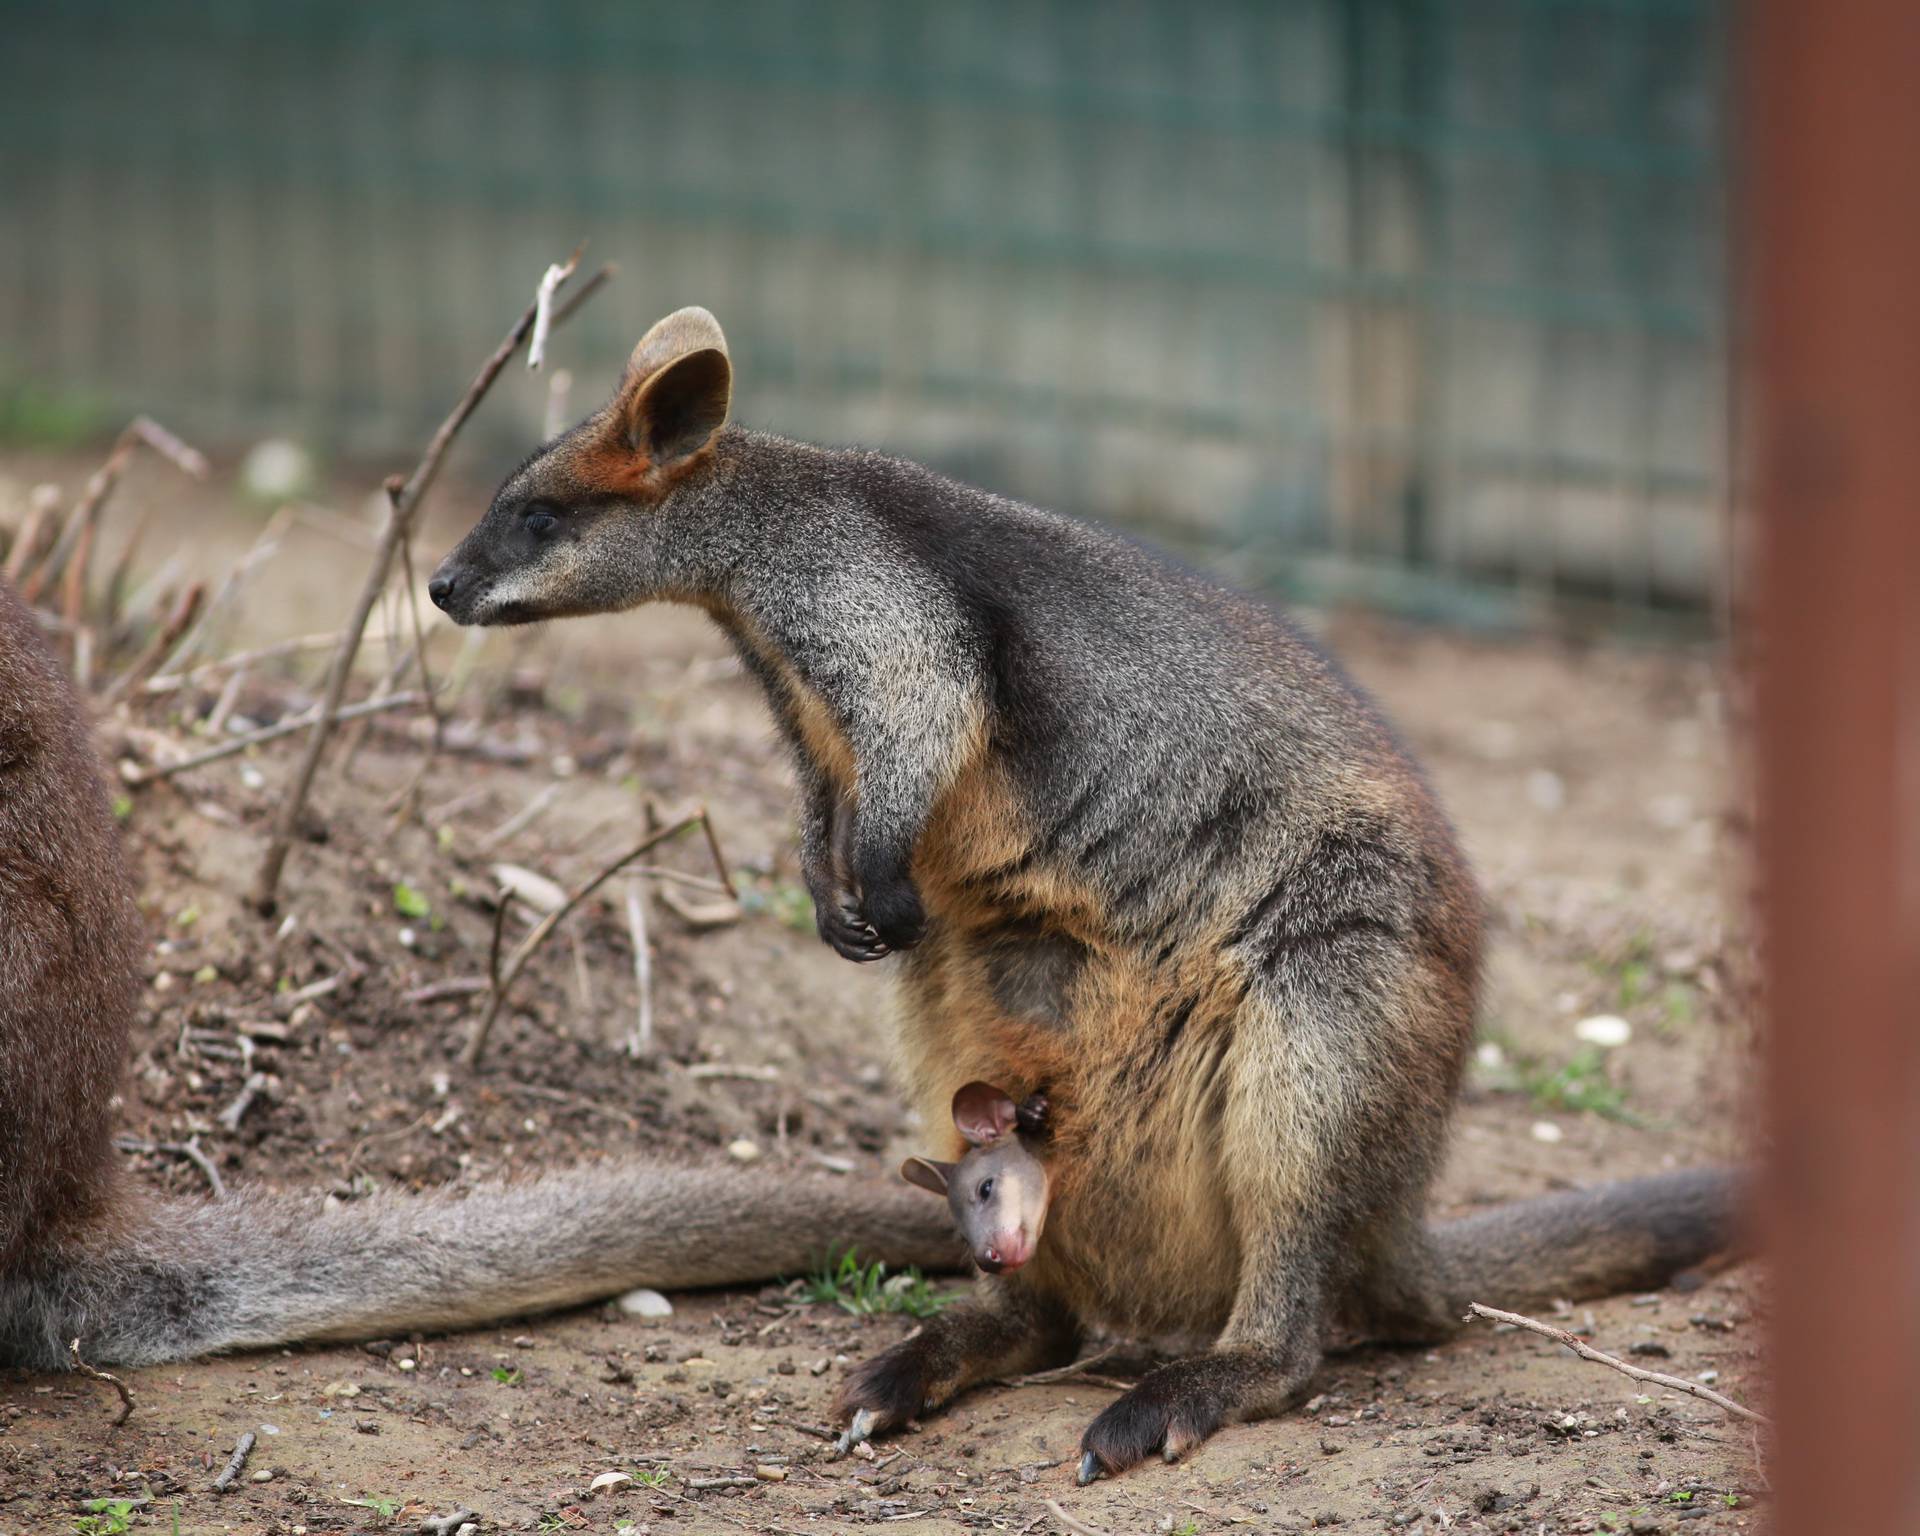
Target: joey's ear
926, 1173
678, 386
982, 1113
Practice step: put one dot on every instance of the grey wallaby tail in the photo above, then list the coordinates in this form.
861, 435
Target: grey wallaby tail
167, 1279
1634, 1235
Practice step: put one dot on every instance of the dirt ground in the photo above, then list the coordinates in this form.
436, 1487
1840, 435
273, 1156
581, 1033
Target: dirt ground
1594, 792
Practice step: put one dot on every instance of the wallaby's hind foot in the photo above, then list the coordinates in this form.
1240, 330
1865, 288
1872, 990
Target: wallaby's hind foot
1006, 1330
1175, 1407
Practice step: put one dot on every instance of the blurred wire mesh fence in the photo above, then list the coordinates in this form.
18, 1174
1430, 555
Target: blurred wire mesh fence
1421, 298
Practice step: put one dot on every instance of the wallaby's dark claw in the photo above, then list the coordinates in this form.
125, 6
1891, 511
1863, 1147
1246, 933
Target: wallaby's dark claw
847, 930
858, 1431
1089, 1469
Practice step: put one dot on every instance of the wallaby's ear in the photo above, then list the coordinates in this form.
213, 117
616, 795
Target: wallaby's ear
678, 386
928, 1174
983, 1113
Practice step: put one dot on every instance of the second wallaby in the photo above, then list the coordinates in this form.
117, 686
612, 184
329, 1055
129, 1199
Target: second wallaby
85, 1255
1136, 840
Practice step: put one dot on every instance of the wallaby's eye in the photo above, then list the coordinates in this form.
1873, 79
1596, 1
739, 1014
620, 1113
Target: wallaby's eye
984, 1192
540, 518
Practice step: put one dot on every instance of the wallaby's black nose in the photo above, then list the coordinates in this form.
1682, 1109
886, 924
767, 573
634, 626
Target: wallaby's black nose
440, 589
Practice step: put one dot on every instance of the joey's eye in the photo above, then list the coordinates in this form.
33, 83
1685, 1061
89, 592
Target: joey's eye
540, 518
985, 1191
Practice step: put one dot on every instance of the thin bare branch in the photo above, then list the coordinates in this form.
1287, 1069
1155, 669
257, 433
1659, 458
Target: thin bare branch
550, 283
126, 1396
266, 886
406, 800
519, 821
640, 1044
190, 1149
242, 1449
1077, 1527
239, 744
168, 633
173, 682
265, 545
1587, 1352
505, 975
35, 534
77, 534
719, 858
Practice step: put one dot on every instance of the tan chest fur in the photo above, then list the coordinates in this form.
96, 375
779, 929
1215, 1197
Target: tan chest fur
1135, 1158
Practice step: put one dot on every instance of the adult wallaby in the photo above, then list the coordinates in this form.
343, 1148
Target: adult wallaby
1141, 844
84, 1255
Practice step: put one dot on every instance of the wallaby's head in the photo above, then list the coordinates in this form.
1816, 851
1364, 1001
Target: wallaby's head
998, 1191
583, 525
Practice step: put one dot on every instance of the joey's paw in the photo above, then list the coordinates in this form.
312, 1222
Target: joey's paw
882, 1394
845, 927
1168, 1413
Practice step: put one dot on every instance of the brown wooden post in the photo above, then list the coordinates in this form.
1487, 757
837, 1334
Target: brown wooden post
1832, 242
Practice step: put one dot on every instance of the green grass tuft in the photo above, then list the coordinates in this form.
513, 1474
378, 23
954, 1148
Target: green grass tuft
866, 1289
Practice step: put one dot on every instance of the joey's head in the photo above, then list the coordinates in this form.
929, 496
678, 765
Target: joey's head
998, 1191
586, 525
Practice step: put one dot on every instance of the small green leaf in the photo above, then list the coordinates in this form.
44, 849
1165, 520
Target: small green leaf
410, 903
122, 807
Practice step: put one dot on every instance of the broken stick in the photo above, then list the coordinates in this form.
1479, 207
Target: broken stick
1587, 1352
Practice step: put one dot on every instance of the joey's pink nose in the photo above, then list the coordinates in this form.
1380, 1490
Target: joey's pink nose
1007, 1251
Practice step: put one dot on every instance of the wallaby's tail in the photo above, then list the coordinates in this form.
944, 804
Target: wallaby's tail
1635, 1235
170, 1279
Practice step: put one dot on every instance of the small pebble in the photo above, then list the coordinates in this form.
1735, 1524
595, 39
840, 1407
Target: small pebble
645, 1303
1547, 1131
744, 1150
1605, 1029
1546, 789
263, 1476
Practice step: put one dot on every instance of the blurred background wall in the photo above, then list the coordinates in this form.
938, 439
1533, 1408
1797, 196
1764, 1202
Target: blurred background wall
1416, 300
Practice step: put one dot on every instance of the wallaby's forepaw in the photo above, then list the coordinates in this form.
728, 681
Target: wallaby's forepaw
1170, 1411
846, 929
892, 907
882, 1394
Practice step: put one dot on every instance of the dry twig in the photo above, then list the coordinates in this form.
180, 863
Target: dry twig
137, 775
251, 1089
243, 1448
519, 821
550, 283
126, 1396
1067, 1372
76, 537
399, 522
641, 1043
190, 1149
30, 543
1077, 1527
149, 657
504, 976
405, 801
1587, 1352
265, 545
